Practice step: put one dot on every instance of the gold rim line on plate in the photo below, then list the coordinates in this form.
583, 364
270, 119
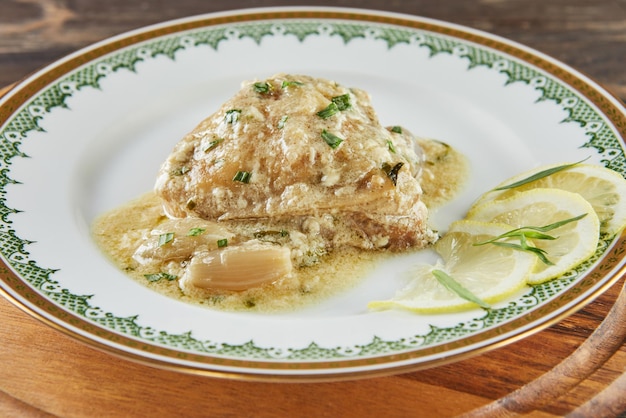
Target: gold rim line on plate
247, 369
608, 263
610, 110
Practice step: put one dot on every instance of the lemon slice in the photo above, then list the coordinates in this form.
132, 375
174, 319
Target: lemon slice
489, 272
604, 188
576, 241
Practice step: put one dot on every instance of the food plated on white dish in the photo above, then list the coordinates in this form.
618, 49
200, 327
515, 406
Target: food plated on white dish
89, 133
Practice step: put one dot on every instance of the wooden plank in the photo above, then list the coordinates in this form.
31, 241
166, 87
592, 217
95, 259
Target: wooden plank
66, 378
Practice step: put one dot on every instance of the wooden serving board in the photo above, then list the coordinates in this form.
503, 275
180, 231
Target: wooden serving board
576, 367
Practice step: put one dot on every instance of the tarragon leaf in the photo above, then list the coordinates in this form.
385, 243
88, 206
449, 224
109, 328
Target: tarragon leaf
455, 287
194, 232
165, 238
540, 175
532, 232
155, 277
332, 140
539, 252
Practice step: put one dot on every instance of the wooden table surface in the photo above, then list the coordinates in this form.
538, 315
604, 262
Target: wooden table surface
576, 367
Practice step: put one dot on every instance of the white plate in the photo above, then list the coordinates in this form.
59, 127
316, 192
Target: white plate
88, 133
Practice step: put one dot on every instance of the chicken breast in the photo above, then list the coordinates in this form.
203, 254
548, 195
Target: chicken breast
305, 151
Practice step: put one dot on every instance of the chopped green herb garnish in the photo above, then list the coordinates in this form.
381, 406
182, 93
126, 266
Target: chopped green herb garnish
242, 176
232, 116
276, 234
216, 299
540, 175
180, 171
342, 102
333, 140
392, 171
221, 243
455, 287
213, 144
329, 111
194, 232
291, 83
391, 147
165, 238
155, 277
337, 104
281, 122
532, 232
262, 87
396, 129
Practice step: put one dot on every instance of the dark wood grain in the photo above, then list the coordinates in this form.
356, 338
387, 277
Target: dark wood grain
64, 378
588, 35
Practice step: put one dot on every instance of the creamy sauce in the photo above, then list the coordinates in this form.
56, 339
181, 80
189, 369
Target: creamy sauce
443, 172
119, 232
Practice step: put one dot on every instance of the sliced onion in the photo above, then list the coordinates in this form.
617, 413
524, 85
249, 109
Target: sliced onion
238, 267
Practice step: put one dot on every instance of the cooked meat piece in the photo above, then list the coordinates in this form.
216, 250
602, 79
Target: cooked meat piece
293, 146
179, 239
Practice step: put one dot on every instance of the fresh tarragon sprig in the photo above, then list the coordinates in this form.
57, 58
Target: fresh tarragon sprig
455, 287
530, 232
539, 175
523, 234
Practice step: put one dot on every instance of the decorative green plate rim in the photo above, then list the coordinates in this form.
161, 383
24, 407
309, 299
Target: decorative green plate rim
33, 287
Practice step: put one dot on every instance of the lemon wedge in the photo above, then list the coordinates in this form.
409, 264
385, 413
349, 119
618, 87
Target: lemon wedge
575, 241
491, 273
604, 188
